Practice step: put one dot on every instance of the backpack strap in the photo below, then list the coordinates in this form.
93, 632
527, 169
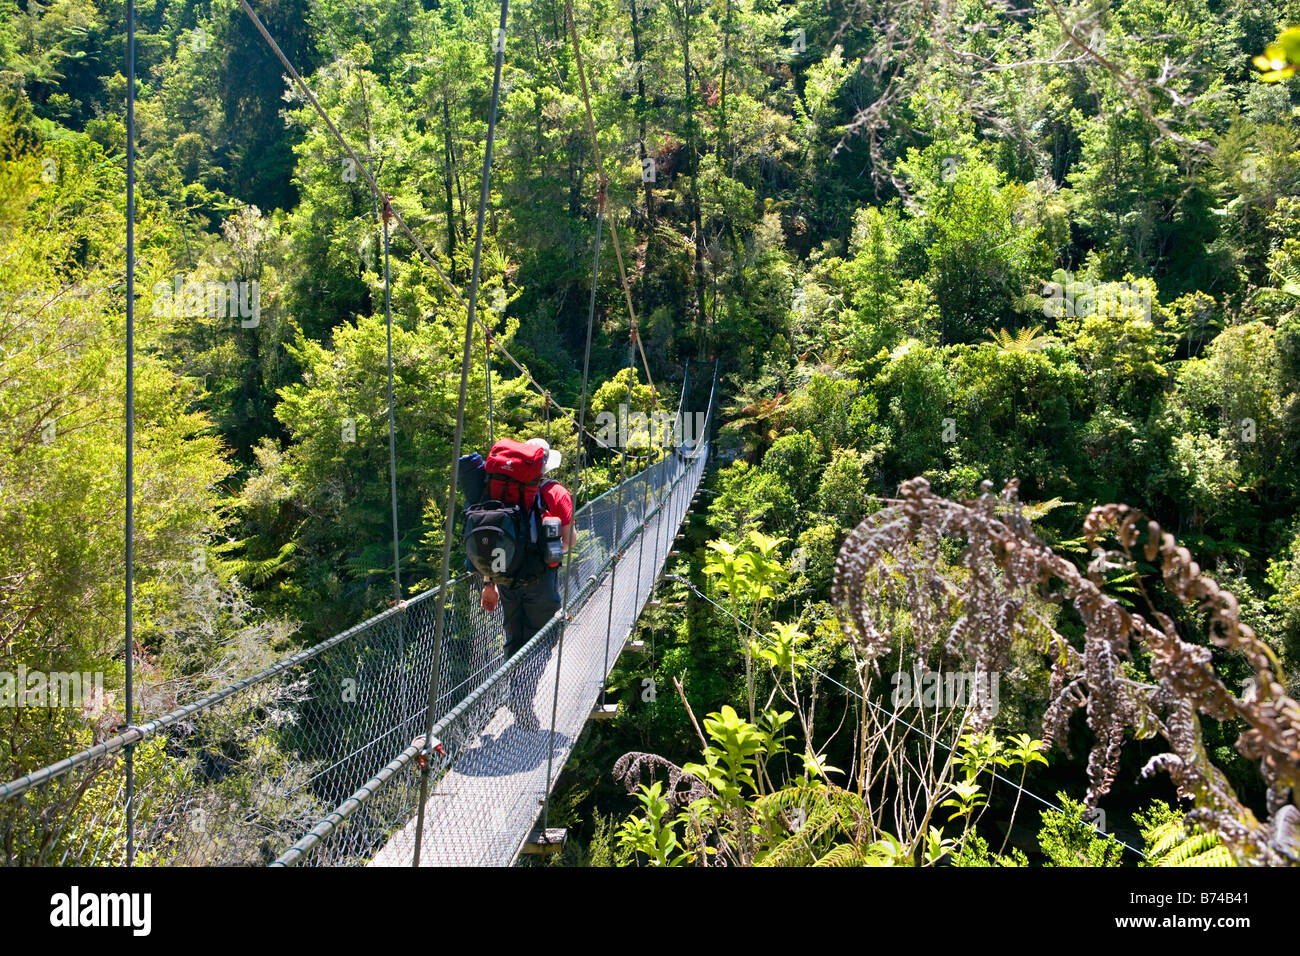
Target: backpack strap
542, 484
506, 481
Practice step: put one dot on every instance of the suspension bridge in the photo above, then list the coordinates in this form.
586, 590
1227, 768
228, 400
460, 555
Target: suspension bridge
390, 743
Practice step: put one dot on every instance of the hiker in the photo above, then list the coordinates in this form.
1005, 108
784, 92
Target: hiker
518, 525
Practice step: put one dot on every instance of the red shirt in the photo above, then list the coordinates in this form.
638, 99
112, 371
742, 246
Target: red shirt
558, 501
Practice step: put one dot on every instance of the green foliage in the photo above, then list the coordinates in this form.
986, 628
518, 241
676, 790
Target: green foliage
810, 821
872, 274
1284, 580
62, 472
731, 760
875, 285
748, 576
983, 248
752, 499
841, 492
815, 554
796, 461
914, 392
731, 769
783, 652
1281, 57
975, 852
655, 834
1014, 413
1067, 840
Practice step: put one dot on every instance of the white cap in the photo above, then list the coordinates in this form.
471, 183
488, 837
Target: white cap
552, 456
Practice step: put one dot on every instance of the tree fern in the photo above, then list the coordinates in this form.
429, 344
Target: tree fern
1028, 339
257, 572
845, 854
1289, 275
833, 829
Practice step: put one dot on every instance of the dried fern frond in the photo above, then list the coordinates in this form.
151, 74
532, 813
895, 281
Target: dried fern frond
888, 565
635, 768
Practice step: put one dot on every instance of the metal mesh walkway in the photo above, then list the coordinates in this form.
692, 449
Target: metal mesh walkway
320, 743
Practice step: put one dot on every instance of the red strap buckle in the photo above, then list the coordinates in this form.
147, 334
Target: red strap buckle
422, 756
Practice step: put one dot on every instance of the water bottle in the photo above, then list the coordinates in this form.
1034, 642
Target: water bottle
552, 545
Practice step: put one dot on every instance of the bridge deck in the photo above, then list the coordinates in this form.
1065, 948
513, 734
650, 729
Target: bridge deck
485, 805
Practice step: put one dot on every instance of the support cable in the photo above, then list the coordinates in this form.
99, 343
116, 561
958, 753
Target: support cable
392, 422
645, 507
618, 519
487, 375
467, 355
398, 600
600, 174
582, 479
129, 640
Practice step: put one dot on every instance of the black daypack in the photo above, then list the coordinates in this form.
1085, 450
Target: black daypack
502, 538
501, 541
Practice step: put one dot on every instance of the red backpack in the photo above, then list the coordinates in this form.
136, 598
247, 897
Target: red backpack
514, 472
503, 530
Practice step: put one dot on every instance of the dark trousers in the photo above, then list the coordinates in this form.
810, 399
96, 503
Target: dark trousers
526, 609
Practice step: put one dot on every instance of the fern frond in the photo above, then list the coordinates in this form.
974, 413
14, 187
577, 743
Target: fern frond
257, 572
845, 854
1174, 844
1215, 856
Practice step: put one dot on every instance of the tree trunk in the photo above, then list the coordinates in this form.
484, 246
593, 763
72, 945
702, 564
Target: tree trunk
722, 94
693, 158
643, 155
447, 158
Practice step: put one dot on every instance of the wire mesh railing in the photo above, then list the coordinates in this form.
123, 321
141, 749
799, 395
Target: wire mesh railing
237, 776
232, 777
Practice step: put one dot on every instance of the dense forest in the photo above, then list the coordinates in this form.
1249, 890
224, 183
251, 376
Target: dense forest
935, 250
